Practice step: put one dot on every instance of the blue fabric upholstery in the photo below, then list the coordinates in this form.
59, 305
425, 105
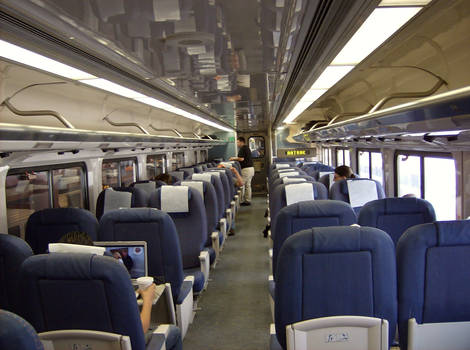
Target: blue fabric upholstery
187, 172
277, 199
158, 230
275, 174
332, 271
220, 194
80, 291
16, 333
396, 215
226, 186
177, 175
433, 278
198, 279
339, 191
279, 181
325, 179
13, 251
198, 169
303, 215
191, 227
139, 199
49, 225
173, 340
314, 169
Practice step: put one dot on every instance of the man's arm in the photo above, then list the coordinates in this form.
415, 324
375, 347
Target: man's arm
147, 297
239, 159
239, 182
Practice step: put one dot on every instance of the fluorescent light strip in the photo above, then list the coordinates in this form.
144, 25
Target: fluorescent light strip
378, 27
18, 54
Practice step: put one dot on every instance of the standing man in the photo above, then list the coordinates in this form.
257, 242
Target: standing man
244, 157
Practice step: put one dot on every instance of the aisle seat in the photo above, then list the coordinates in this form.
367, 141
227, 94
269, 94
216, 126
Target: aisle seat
120, 197
17, 333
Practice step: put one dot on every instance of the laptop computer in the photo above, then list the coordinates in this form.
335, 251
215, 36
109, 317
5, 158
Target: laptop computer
132, 254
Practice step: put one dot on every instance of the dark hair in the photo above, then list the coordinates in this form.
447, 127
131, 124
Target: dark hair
166, 178
344, 170
241, 139
76, 237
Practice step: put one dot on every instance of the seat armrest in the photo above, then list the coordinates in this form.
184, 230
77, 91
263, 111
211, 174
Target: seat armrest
273, 342
204, 260
84, 339
223, 227
228, 215
233, 206
215, 244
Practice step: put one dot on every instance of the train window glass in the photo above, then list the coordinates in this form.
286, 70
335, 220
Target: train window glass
25, 193
68, 187
364, 164
196, 160
330, 158
128, 172
347, 157
155, 165
409, 175
376, 167
440, 186
256, 144
177, 161
110, 174
204, 155
118, 172
339, 157
325, 156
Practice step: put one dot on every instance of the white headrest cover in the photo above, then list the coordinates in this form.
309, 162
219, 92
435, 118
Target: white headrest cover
282, 165
174, 199
116, 199
285, 170
299, 193
196, 185
332, 179
216, 173
292, 180
292, 173
146, 186
361, 192
227, 164
323, 173
202, 176
75, 248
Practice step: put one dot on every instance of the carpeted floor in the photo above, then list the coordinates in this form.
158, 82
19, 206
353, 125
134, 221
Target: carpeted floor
235, 309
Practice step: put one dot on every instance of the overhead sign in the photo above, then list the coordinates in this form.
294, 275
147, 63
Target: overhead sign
296, 152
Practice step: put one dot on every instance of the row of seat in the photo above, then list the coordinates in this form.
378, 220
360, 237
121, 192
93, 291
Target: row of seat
343, 270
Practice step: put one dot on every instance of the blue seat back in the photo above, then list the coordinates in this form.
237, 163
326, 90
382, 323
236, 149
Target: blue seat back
80, 291
433, 277
303, 215
314, 169
333, 271
191, 226
276, 174
280, 181
139, 199
339, 191
220, 194
187, 172
16, 333
277, 199
396, 215
155, 227
226, 186
198, 169
13, 251
49, 225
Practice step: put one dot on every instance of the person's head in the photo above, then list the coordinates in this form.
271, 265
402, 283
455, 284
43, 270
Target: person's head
166, 178
241, 141
76, 237
343, 172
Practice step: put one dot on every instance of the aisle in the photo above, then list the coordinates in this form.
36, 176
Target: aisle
235, 310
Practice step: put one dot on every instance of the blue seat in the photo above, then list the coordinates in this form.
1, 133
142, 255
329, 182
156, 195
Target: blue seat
186, 208
49, 225
314, 169
339, 191
433, 278
335, 271
303, 215
276, 174
16, 333
198, 169
289, 179
80, 291
187, 172
228, 193
278, 198
396, 215
164, 258
13, 251
108, 200
177, 175
148, 186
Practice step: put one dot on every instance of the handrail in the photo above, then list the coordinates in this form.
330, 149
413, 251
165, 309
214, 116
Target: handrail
314, 125
141, 128
346, 114
172, 130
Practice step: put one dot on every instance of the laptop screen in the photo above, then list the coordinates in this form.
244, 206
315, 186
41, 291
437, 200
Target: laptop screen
132, 254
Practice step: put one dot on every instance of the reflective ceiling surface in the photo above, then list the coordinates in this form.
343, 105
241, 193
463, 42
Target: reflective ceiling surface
223, 54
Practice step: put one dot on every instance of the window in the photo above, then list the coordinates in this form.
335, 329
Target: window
204, 156
30, 190
118, 172
370, 165
155, 165
256, 144
343, 157
327, 156
177, 161
196, 160
429, 176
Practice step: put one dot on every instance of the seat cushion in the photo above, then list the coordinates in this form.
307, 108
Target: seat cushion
185, 289
199, 279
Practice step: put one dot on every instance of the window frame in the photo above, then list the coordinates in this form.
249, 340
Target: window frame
113, 160
370, 151
153, 155
343, 150
173, 156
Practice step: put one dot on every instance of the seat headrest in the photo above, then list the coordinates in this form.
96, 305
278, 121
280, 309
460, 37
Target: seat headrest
282, 165
299, 193
286, 170
196, 185
75, 248
361, 192
116, 199
147, 187
291, 180
216, 173
177, 174
203, 177
174, 199
322, 173
292, 173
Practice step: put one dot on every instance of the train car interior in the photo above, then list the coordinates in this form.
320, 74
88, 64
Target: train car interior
234, 174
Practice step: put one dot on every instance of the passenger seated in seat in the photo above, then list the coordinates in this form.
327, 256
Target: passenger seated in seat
166, 178
343, 172
147, 295
237, 179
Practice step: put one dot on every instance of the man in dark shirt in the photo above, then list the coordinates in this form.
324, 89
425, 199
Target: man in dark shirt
244, 157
